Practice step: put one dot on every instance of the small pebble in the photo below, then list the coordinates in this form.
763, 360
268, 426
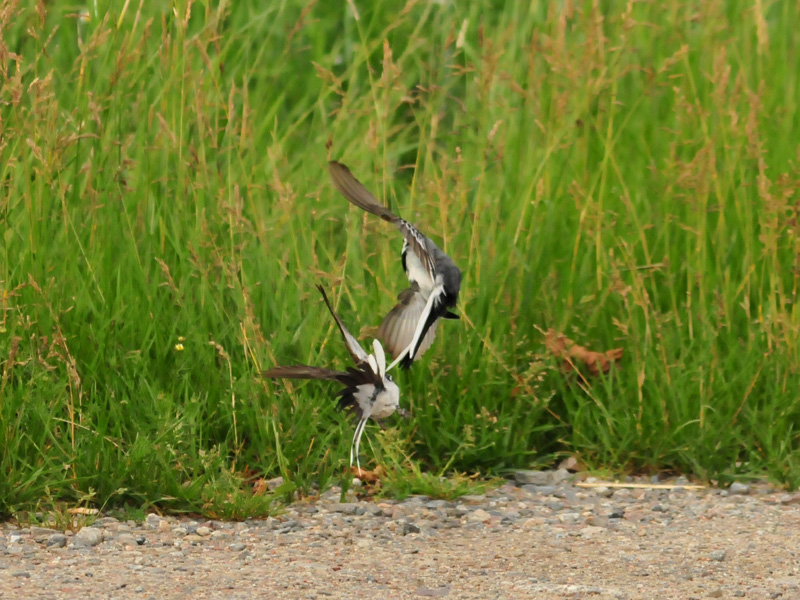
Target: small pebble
410, 528
738, 488
87, 537
718, 555
57, 540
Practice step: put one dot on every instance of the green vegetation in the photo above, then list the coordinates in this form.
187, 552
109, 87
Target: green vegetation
624, 173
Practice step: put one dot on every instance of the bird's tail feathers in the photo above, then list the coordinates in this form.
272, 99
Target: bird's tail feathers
301, 372
352, 189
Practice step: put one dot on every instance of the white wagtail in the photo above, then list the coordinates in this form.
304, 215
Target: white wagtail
409, 328
369, 392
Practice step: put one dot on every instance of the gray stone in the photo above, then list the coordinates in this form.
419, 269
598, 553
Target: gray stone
56, 540
544, 490
718, 555
274, 483
561, 475
39, 534
597, 521
151, 521
472, 499
569, 517
204, 531
526, 476
126, 539
738, 488
409, 528
346, 508
478, 516
87, 537
24, 574
603, 491
219, 534
438, 504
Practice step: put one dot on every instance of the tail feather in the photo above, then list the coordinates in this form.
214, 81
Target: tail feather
302, 372
352, 189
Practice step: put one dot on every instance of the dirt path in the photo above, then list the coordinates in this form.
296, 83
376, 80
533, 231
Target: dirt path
516, 542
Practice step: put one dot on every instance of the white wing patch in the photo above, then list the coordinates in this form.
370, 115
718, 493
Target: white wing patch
381, 358
373, 363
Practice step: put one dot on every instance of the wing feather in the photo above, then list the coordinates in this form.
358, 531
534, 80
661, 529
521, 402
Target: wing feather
355, 349
398, 327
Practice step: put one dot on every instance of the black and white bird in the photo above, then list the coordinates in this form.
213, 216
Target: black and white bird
409, 328
369, 392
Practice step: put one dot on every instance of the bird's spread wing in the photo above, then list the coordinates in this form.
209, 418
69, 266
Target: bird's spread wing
302, 372
352, 189
355, 349
398, 327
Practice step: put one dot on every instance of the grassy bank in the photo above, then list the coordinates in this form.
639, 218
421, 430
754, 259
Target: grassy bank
624, 173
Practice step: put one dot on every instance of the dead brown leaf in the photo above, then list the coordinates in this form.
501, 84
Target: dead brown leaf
369, 476
573, 355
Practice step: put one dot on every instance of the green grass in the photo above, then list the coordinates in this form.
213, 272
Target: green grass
626, 177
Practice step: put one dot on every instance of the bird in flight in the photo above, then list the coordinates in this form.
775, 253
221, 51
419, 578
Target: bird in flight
369, 391
409, 328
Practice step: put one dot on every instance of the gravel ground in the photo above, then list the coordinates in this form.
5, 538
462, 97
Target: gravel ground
538, 537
